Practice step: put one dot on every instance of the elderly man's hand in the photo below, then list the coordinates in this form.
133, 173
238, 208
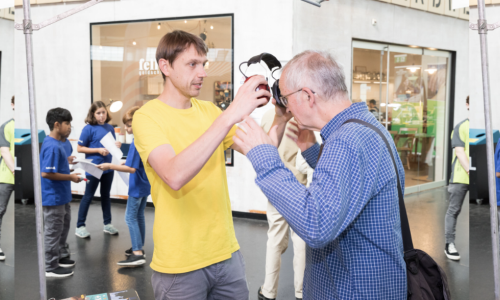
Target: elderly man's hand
249, 135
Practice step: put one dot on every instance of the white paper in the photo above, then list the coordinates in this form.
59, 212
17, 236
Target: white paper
89, 167
455, 4
109, 143
123, 176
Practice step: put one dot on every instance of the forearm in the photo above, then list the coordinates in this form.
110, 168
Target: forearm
122, 168
184, 166
462, 158
7, 157
56, 176
86, 150
281, 123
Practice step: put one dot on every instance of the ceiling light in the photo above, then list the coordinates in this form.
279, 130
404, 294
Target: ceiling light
134, 43
432, 48
431, 70
185, 21
413, 46
211, 27
115, 105
159, 26
413, 68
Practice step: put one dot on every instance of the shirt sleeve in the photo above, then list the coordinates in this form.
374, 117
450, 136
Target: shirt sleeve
311, 155
497, 158
148, 135
50, 161
340, 189
133, 158
456, 139
85, 136
5, 136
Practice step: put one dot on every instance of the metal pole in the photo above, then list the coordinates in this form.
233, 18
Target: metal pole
380, 85
489, 144
28, 30
387, 90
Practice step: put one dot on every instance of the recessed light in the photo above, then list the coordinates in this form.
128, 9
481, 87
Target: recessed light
211, 27
134, 43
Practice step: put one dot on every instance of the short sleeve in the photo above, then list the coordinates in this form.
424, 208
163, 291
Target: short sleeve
85, 136
133, 158
50, 161
497, 158
228, 140
148, 135
456, 139
6, 136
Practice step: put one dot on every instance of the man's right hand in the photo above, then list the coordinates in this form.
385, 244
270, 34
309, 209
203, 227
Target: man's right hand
103, 151
304, 139
75, 177
247, 99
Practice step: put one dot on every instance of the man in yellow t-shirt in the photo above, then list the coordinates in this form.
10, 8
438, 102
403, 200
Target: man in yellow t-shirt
181, 141
7, 166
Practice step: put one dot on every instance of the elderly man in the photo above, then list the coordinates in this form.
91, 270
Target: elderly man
349, 216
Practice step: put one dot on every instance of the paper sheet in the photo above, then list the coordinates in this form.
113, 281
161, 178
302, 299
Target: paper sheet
88, 166
123, 176
109, 143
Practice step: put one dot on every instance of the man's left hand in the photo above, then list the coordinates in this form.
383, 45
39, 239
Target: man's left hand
249, 135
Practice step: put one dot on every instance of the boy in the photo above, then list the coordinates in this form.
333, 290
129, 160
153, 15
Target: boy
138, 192
56, 192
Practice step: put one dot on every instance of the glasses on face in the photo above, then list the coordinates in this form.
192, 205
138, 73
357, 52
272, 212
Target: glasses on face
284, 99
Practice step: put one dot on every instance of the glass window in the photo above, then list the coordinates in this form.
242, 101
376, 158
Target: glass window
124, 67
406, 89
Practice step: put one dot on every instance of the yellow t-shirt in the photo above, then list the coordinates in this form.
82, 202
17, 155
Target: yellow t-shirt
193, 227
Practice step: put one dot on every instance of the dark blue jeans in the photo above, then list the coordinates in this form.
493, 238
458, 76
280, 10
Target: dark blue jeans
106, 180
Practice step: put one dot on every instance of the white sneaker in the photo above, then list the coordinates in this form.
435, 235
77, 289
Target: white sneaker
109, 228
451, 251
2, 255
82, 232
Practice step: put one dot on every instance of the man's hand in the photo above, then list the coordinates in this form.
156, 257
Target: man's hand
75, 177
281, 112
103, 151
71, 159
247, 99
249, 135
104, 167
305, 139
118, 144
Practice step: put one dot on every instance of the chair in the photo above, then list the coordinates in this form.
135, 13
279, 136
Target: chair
407, 147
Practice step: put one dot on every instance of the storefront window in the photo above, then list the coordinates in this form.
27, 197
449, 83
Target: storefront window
406, 89
124, 67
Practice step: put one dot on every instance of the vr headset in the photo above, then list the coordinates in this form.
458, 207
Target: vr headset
272, 63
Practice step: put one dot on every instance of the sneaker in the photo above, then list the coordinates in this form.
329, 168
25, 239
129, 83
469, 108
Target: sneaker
66, 263
451, 252
129, 252
59, 272
262, 297
2, 255
133, 260
110, 229
82, 232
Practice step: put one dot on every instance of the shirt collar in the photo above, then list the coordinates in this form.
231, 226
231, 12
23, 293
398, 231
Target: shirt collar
352, 111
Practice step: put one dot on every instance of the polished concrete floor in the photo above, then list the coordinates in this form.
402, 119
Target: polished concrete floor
481, 271
7, 245
96, 270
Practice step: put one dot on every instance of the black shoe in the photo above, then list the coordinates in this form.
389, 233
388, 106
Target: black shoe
262, 297
66, 263
451, 252
59, 272
129, 252
2, 255
298, 298
133, 260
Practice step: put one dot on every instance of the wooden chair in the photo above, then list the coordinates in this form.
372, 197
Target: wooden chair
407, 147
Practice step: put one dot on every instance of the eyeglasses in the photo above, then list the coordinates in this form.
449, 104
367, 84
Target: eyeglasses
284, 99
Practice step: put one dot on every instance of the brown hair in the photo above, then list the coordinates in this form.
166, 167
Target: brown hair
129, 115
90, 119
13, 100
175, 42
467, 101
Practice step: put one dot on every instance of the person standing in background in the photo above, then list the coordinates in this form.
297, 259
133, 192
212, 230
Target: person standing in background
278, 233
459, 183
90, 144
7, 166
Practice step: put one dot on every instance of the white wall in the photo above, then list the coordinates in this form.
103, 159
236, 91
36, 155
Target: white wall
475, 75
7, 69
62, 62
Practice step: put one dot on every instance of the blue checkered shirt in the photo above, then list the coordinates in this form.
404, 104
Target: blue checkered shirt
349, 216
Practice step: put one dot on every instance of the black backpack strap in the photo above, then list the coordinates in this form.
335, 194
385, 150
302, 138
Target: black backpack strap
405, 226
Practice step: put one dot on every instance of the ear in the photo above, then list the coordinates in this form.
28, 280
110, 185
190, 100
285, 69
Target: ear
310, 96
164, 66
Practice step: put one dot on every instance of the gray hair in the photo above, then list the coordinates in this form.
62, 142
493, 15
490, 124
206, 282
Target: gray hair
318, 71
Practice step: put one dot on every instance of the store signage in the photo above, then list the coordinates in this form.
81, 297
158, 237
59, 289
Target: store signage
148, 67
440, 7
400, 58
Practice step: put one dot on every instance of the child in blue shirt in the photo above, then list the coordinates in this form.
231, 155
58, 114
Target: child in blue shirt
90, 144
138, 192
56, 192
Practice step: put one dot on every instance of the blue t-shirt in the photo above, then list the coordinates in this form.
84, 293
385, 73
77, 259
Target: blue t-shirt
138, 185
53, 159
91, 138
497, 169
67, 147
